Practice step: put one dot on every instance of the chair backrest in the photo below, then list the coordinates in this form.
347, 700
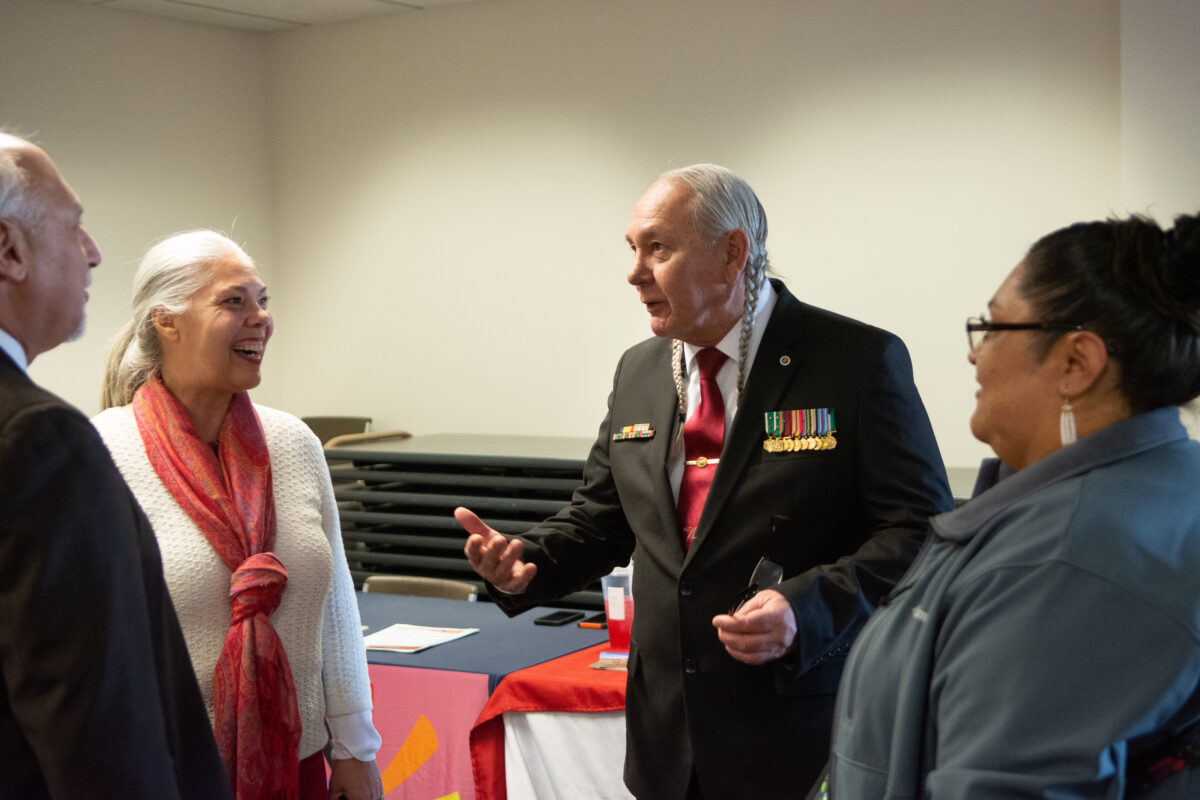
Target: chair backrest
421, 587
350, 439
327, 428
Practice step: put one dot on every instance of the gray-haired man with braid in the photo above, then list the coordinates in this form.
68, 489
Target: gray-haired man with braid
751, 425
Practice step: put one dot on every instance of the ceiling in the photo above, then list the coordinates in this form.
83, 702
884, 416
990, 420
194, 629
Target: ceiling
271, 15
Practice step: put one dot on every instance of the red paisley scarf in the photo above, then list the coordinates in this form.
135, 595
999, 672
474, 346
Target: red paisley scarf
228, 495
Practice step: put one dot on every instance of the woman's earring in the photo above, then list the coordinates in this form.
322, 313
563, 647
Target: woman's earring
1066, 423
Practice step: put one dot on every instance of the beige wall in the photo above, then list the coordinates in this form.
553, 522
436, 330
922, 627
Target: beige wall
454, 189
157, 125
1160, 107
440, 199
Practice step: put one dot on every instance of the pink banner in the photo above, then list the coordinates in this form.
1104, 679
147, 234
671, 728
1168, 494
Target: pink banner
425, 718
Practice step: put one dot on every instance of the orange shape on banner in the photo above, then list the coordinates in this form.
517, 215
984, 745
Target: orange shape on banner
418, 747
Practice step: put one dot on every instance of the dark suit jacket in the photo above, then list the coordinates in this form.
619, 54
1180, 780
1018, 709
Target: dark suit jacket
850, 521
97, 694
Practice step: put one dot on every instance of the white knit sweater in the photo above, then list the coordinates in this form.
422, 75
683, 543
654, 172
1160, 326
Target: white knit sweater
317, 618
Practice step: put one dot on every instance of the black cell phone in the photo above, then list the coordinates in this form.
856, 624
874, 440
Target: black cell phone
559, 618
595, 621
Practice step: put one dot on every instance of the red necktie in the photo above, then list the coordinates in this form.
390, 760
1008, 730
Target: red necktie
703, 436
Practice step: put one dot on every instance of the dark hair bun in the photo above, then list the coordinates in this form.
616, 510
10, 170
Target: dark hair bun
1179, 267
1138, 288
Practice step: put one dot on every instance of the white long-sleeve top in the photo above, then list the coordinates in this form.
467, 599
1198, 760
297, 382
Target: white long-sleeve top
317, 618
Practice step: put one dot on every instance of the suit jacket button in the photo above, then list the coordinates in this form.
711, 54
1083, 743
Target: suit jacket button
690, 666
685, 588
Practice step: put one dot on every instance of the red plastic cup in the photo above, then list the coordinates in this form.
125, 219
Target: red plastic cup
618, 608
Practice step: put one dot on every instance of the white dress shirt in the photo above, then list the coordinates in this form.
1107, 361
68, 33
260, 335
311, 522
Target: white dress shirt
726, 376
11, 346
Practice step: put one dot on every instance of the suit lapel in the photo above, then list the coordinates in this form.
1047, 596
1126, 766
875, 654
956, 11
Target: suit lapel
646, 393
665, 411
776, 366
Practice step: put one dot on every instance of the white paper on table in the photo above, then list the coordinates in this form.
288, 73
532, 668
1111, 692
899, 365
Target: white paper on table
404, 638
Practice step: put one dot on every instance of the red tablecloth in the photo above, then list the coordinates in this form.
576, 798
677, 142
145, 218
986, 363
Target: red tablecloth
567, 683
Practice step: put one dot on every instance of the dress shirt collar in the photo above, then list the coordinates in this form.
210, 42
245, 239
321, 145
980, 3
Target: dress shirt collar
14, 350
726, 376
729, 345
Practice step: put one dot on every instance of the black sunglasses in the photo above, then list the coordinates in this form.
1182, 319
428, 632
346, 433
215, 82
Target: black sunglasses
767, 574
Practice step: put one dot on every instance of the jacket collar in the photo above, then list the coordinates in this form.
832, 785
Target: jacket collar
999, 487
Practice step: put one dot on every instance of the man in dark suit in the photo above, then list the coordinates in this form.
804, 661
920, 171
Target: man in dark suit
97, 694
826, 463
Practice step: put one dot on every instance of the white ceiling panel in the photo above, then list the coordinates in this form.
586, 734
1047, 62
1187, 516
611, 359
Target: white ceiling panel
436, 3
309, 12
204, 14
271, 15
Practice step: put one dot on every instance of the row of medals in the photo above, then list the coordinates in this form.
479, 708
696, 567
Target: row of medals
792, 444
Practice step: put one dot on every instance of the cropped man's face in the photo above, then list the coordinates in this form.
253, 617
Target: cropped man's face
61, 255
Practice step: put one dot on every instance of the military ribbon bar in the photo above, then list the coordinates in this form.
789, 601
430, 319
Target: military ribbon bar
642, 430
799, 429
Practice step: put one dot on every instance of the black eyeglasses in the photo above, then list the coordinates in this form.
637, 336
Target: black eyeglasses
979, 327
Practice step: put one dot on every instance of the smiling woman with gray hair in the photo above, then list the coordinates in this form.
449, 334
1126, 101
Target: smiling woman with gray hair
242, 505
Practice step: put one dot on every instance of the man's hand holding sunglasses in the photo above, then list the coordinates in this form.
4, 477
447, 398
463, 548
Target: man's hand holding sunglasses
761, 630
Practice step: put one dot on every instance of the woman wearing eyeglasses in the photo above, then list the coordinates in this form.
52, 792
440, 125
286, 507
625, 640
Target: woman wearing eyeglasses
1046, 642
